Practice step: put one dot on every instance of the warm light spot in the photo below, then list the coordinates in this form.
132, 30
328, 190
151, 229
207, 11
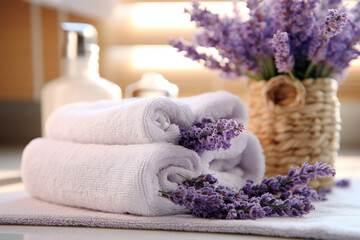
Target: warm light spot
160, 57
171, 15
355, 63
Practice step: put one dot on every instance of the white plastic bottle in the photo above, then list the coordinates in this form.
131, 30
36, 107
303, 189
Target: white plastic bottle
79, 80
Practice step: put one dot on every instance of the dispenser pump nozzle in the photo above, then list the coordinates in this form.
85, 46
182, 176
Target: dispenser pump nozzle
80, 40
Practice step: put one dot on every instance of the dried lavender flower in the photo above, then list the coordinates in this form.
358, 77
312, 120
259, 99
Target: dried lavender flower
205, 198
322, 193
333, 24
342, 48
309, 192
192, 53
201, 16
210, 135
297, 18
343, 183
334, 3
296, 177
284, 60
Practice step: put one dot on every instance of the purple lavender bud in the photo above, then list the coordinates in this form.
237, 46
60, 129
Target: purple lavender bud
284, 60
252, 4
295, 17
322, 193
210, 135
319, 169
334, 23
334, 3
283, 184
190, 51
295, 206
202, 17
342, 47
343, 183
307, 192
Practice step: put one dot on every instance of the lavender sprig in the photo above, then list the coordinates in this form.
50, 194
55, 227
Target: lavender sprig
210, 135
295, 178
297, 18
284, 59
202, 17
334, 23
192, 53
204, 198
330, 27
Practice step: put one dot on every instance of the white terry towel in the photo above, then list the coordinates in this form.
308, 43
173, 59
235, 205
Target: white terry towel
217, 105
131, 121
110, 178
243, 161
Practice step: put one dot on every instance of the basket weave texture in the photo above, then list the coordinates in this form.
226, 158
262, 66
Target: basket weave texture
296, 122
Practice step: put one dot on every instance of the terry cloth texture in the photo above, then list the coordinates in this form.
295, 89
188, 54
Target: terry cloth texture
216, 105
129, 121
244, 160
110, 178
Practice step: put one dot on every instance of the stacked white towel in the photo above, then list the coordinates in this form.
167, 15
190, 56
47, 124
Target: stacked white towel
115, 156
130, 121
216, 105
110, 178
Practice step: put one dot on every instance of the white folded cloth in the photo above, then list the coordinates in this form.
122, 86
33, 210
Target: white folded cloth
131, 121
243, 161
217, 105
110, 178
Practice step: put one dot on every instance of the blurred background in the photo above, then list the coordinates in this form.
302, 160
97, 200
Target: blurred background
133, 38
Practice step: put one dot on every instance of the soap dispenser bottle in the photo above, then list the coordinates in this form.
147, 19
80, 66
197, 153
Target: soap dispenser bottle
79, 79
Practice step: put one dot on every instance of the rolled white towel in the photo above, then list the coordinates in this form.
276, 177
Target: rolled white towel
243, 161
111, 178
217, 105
131, 121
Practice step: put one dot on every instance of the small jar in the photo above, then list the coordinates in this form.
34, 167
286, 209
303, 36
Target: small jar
152, 85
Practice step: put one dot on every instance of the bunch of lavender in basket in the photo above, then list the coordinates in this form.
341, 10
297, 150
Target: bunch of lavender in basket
302, 38
210, 135
277, 196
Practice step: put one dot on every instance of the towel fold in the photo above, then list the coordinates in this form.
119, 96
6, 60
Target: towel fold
116, 178
130, 121
243, 161
217, 105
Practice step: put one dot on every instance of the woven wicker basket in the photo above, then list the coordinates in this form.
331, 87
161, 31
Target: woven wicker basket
296, 122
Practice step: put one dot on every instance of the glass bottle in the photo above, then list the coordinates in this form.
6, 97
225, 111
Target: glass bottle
79, 79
